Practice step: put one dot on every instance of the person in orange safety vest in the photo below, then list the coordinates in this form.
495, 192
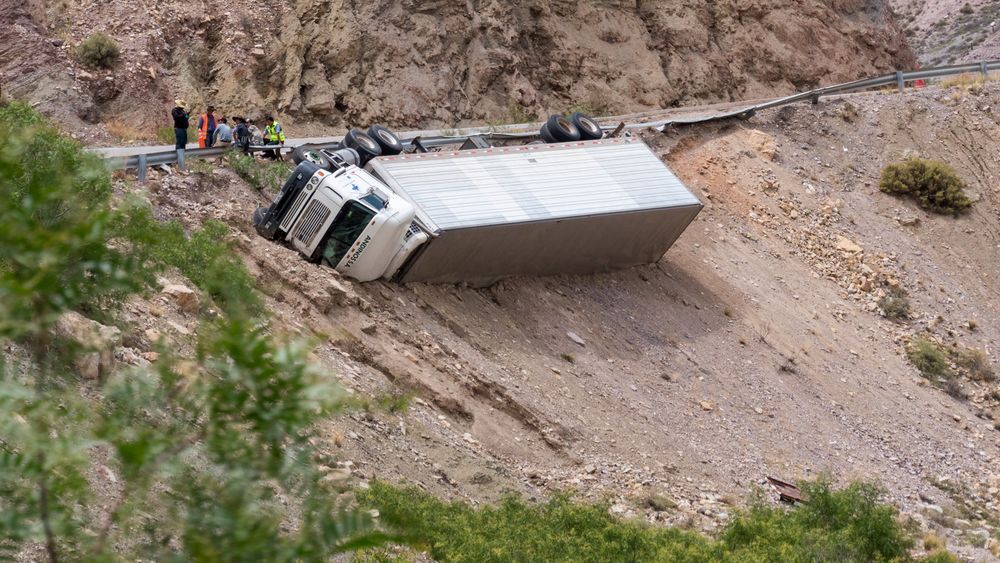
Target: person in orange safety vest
206, 128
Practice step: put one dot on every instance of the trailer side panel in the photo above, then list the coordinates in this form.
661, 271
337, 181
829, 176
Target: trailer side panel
580, 245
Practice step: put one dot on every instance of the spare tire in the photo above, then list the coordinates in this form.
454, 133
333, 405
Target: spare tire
386, 139
561, 130
589, 129
366, 146
311, 154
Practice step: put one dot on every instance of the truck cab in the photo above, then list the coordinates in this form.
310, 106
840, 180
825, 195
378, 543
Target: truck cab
345, 218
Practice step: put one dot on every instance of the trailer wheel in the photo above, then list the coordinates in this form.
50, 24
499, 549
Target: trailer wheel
313, 155
386, 139
562, 129
366, 146
545, 135
589, 129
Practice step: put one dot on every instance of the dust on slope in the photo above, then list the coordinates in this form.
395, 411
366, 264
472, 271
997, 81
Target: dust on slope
753, 348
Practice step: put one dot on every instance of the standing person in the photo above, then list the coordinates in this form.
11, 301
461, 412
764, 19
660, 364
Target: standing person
182, 120
242, 135
223, 134
273, 135
206, 128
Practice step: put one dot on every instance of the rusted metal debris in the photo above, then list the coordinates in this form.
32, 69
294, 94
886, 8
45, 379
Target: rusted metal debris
787, 492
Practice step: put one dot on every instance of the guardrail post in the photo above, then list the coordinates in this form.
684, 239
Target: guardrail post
142, 168
180, 159
814, 99
900, 81
984, 70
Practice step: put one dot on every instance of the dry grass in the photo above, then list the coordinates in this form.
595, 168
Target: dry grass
974, 362
933, 542
965, 81
128, 132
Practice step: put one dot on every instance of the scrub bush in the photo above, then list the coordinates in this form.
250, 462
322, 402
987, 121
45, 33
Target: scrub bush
934, 185
265, 175
895, 305
98, 51
928, 357
834, 525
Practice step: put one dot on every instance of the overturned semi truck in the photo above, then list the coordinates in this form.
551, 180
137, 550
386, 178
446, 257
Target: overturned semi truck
478, 213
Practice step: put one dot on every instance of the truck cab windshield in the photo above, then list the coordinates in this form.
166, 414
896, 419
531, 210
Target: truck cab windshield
346, 229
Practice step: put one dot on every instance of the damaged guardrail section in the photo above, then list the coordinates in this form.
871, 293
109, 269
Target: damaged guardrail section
141, 162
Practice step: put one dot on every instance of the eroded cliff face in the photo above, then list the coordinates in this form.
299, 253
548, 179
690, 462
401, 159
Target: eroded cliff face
419, 62
322, 64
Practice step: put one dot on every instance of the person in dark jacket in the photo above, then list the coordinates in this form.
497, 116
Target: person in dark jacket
182, 120
241, 135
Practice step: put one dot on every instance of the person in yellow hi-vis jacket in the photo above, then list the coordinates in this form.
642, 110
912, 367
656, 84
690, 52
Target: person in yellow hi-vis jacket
273, 135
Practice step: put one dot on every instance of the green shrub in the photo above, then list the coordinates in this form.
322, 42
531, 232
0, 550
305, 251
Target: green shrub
846, 525
843, 525
98, 51
928, 357
265, 175
934, 185
205, 257
516, 530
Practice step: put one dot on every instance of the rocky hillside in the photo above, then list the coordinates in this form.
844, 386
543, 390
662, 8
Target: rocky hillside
951, 31
323, 64
758, 346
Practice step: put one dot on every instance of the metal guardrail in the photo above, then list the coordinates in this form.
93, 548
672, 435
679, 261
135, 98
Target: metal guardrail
898, 78
141, 162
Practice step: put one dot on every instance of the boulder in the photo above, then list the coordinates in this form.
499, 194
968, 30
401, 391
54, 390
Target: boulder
184, 296
97, 341
847, 245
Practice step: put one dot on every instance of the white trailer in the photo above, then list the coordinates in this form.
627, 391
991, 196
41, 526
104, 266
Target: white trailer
483, 214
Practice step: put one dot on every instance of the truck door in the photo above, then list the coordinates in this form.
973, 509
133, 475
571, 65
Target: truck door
344, 232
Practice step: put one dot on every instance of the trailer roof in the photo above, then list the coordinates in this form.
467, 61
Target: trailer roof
509, 185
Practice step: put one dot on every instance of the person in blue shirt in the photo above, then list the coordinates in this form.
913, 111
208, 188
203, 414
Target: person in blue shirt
223, 134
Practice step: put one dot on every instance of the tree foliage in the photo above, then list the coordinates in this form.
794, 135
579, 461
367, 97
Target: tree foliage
205, 460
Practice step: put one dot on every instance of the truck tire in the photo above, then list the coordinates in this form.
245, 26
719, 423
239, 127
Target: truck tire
545, 135
386, 139
560, 130
313, 155
589, 129
366, 146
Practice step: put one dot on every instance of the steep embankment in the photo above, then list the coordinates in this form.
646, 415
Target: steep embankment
951, 31
323, 64
754, 348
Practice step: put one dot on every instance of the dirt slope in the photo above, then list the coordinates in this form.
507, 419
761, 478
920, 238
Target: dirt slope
951, 31
753, 349
322, 65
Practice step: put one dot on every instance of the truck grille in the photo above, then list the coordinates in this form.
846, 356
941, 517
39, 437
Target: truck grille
414, 229
293, 211
312, 219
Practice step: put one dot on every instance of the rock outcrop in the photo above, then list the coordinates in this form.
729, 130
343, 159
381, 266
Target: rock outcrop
323, 64
413, 63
